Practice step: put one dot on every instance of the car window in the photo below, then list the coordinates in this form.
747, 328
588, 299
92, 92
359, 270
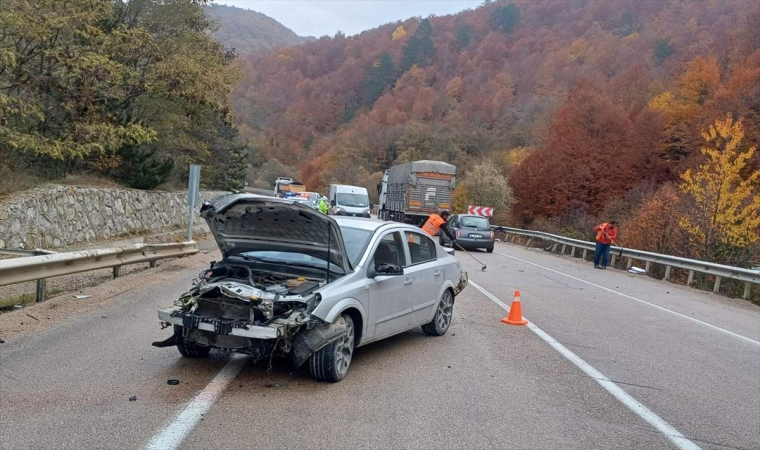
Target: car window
455, 221
355, 240
475, 222
353, 200
421, 248
390, 250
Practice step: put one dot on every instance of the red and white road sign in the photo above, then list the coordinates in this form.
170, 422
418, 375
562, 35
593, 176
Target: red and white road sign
484, 211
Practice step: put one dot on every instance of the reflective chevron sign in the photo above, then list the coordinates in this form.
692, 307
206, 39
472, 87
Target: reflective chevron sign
484, 211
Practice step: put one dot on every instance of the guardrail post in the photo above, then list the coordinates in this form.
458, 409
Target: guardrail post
564, 248
667, 273
554, 248
647, 266
690, 279
747, 286
612, 260
716, 288
529, 241
585, 253
116, 271
41, 287
630, 264
152, 264
572, 251
41, 290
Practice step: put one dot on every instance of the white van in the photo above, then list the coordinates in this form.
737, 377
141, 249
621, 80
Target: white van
348, 201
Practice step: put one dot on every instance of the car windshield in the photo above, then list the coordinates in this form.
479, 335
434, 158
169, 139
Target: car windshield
356, 241
353, 200
474, 222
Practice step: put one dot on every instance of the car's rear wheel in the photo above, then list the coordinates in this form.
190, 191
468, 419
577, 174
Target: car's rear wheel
331, 363
442, 319
489, 249
190, 350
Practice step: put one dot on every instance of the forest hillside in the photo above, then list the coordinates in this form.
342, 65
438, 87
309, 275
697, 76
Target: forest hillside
247, 31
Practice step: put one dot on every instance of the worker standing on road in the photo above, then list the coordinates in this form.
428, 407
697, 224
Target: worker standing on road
323, 205
437, 223
606, 233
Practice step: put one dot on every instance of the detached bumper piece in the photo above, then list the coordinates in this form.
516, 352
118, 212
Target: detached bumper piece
222, 327
463, 281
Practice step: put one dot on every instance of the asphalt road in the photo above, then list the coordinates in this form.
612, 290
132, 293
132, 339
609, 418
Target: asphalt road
66, 380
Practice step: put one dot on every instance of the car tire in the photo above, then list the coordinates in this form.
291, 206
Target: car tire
489, 249
332, 361
443, 315
190, 350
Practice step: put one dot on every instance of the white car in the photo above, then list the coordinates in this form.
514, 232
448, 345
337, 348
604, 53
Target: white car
294, 282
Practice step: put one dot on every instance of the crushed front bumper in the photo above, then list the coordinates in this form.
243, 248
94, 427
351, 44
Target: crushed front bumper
176, 316
463, 280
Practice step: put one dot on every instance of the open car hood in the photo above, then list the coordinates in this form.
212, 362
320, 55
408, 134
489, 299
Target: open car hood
249, 222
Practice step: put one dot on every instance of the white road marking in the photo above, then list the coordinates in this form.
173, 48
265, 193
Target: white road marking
623, 397
661, 308
172, 435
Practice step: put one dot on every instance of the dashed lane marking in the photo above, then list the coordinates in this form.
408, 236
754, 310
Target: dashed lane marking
622, 396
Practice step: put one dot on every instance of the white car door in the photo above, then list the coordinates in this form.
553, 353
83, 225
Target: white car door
390, 300
426, 273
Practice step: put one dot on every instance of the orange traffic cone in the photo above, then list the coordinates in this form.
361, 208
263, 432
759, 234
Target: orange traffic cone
515, 313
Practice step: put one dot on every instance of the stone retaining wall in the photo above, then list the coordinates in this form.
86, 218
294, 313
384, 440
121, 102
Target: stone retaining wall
64, 216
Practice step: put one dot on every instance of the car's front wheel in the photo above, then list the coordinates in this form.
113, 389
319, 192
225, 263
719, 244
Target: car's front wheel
190, 350
442, 319
332, 361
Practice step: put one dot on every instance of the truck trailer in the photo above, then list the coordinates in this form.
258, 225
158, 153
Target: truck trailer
412, 191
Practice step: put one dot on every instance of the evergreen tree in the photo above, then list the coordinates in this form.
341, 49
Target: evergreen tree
419, 49
464, 35
381, 75
504, 18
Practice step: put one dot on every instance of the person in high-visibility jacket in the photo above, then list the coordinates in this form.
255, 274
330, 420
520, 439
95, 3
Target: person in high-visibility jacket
437, 223
323, 205
606, 233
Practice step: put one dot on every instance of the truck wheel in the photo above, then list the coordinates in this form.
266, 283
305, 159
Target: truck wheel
331, 363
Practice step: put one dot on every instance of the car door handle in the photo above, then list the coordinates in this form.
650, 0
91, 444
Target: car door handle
437, 273
408, 281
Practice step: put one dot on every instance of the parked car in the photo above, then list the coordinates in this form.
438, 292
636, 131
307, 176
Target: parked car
311, 287
471, 231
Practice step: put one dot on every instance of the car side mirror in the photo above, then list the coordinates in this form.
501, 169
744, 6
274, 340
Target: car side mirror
386, 270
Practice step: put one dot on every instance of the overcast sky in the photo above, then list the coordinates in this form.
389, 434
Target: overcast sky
326, 17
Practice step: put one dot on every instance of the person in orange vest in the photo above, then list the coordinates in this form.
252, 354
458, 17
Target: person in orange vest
437, 223
606, 233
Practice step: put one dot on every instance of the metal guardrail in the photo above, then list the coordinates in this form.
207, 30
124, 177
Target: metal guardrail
41, 264
720, 271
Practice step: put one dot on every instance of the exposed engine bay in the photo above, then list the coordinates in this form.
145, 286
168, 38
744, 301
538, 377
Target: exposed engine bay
232, 295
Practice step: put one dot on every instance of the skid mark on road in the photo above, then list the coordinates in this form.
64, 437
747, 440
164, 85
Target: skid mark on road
623, 397
630, 297
172, 435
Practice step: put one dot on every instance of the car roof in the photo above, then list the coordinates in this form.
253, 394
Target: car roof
369, 224
472, 215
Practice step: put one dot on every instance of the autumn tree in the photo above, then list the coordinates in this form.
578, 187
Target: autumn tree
485, 186
654, 225
725, 220
399, 33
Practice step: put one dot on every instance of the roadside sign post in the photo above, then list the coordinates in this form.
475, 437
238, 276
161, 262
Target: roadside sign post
193, 187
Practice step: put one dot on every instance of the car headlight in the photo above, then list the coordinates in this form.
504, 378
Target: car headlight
367, 215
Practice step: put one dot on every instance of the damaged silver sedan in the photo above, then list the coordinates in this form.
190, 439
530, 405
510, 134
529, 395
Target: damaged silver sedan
299, 284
